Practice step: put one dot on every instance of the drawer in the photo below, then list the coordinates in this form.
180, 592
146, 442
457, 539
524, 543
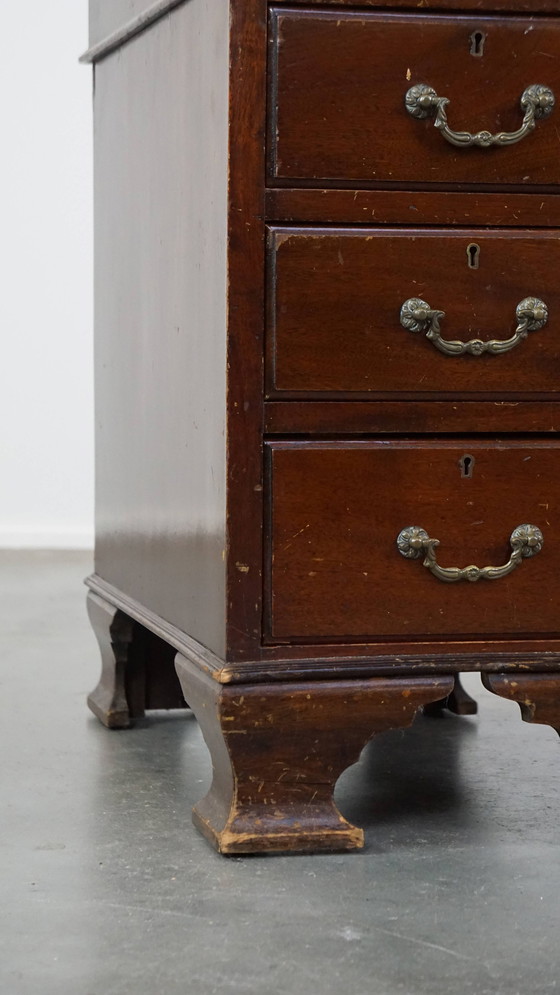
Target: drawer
339, 81
337, 508
336, 324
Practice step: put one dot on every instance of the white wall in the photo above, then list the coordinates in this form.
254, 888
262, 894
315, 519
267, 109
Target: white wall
46, 405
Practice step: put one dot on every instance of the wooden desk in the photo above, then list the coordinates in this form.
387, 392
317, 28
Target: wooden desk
327, 353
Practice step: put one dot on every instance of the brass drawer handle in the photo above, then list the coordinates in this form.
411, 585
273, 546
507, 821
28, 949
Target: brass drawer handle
537, 101
418, 316
415, 543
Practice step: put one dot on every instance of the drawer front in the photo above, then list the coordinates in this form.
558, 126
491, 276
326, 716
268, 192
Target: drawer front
337, 508
339, 81
335, 322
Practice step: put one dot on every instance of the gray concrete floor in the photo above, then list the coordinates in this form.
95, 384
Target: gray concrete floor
107, 888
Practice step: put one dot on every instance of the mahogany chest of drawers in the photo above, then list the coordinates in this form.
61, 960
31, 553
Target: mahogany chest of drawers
327, 357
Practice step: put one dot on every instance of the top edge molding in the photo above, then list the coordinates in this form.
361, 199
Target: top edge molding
121, 35
154, 11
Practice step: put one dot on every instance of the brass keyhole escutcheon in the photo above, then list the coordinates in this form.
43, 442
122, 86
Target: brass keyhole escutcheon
477, 40
467, 465
473, 255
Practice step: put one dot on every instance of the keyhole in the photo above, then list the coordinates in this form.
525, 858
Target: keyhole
473, 255
466, 463
477, 44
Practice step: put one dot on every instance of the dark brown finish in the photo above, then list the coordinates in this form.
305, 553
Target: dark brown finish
415, 207
538, 695
301, 661
338, 507
207, 529
137, 668
338, 86
277, 753
405, 417
160, 328
335, 297
245, 328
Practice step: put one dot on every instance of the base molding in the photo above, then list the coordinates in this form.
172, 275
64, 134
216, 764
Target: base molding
317, 663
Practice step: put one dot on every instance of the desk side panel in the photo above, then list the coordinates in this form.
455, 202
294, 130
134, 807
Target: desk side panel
161, 121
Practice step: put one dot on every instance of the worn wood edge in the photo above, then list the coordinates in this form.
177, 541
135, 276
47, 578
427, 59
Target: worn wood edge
108, 700
388, 665
214, 821
348, 838
298, 204
194, 651
348, 417
537, 694
129, 30
114, 720
513, 690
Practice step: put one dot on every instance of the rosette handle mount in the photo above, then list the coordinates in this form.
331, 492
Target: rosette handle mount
417, 316
537, 101
414, 543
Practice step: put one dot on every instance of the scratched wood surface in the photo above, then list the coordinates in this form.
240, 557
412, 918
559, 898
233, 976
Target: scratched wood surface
277, 753
362, 206
338, 507
269, 564
393, 417
334, 310
338, 88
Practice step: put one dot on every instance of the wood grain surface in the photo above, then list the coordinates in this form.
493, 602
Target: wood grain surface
338, 507
278, 751
265, 426
404, 417
161, 244
338, 86
362, 206
245, 310
334, 310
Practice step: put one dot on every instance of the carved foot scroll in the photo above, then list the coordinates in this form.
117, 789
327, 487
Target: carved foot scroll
538, 695
137, 670
278, 749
